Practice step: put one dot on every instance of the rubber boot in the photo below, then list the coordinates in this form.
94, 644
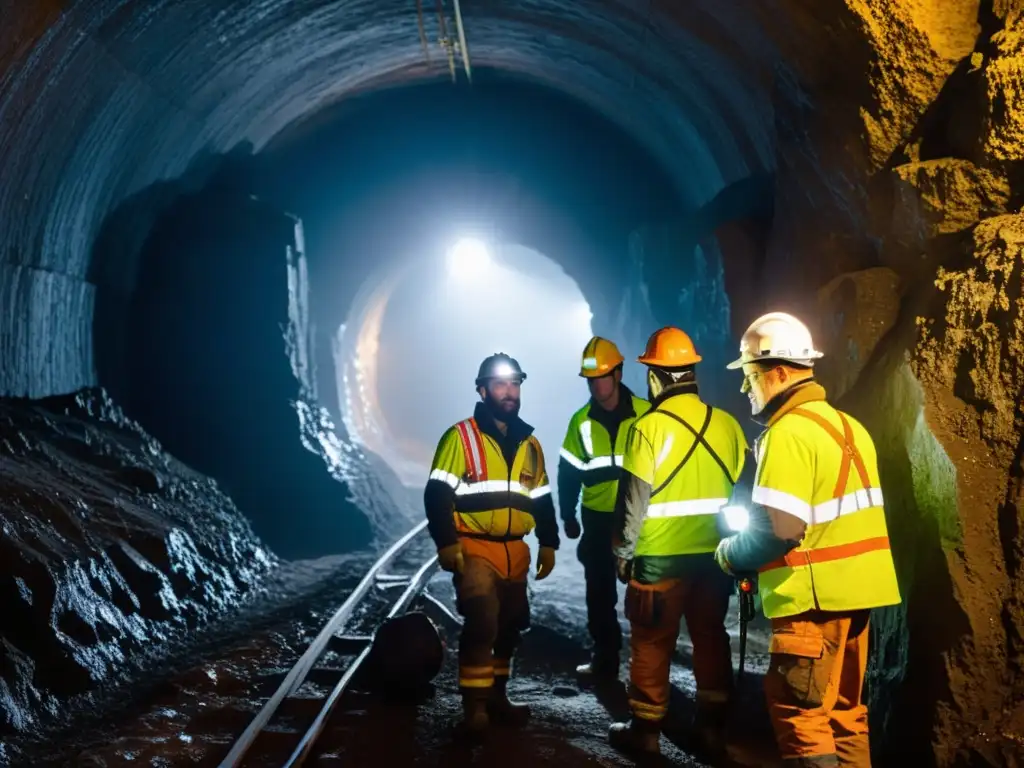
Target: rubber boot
602, 665
474, 713
501, 709
708, 735
707, 743
638, 736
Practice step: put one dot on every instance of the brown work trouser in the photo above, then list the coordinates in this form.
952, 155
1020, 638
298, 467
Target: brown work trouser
495, 612
654, 612
815, 688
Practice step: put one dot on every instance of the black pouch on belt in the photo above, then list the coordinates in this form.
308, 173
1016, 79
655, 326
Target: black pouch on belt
643, 606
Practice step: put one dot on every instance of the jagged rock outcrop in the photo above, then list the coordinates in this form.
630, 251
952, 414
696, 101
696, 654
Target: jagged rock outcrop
897, 236
113, 553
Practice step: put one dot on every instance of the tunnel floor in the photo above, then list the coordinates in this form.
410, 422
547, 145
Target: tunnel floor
191, 717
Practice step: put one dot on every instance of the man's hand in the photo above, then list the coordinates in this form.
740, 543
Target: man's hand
624, 569
451, 558
545, 562
722, 556
572, 527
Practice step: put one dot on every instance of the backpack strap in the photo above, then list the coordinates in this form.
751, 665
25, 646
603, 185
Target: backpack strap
851, 456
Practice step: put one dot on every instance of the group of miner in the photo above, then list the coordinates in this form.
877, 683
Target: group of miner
651, 478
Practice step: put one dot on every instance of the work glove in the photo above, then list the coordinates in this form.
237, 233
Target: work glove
722, 556
545, 562
624, 569
572, 527
451, 558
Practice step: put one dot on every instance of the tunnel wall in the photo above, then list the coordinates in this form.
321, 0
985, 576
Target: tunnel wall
896, 233
99, 101
228, 380
896, 140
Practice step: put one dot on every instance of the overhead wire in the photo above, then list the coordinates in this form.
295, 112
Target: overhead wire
445, 42
423, 31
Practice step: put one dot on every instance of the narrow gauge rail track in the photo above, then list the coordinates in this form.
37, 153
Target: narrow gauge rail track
261, 742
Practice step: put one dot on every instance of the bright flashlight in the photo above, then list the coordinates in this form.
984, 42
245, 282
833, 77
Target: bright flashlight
736, 518
468, 257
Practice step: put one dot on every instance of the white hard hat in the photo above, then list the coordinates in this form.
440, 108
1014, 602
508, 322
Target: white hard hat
776, 336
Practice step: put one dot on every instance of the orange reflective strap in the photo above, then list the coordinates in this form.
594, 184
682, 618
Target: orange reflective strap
473, 449
801, 557
845, 443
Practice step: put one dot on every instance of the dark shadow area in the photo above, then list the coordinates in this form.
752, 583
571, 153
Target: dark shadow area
930, 619
207, 370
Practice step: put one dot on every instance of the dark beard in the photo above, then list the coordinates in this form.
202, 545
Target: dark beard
499, 414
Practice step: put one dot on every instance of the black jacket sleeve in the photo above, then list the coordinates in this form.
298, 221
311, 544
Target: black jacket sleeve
547, 526
570, 483
758, 545
439, 500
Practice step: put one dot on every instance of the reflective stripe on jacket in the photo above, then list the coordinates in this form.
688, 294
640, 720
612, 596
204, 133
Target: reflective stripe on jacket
588, 448
819, 464
691, 455
492, 500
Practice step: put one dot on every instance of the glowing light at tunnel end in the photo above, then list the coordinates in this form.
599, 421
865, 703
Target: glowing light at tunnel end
468, 258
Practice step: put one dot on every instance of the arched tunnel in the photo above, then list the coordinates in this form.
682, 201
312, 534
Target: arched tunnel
232, 329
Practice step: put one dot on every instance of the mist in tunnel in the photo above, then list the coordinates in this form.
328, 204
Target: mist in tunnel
686, 163
417, 357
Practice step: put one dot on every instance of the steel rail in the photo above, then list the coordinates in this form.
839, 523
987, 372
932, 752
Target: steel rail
297, 676
305, 746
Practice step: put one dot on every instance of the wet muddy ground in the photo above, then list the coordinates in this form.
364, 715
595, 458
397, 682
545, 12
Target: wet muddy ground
192, 715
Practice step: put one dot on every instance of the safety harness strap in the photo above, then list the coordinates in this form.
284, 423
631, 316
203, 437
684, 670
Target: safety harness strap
473, 449
845, 442
698, 440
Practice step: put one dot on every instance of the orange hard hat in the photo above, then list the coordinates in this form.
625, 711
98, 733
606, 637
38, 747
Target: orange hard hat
600, 357
669, 348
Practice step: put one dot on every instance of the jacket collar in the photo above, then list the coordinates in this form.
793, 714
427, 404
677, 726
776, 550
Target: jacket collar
808, 391
518, 430
689, 388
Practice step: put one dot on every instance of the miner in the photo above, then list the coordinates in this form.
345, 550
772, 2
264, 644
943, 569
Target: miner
817, 538
591, 460
487, 489
681, 462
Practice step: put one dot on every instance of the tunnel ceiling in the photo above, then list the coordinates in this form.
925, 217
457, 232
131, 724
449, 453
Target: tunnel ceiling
101, 100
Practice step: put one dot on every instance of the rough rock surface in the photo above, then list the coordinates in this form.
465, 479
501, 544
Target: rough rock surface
896, 236
113, 552
969, 359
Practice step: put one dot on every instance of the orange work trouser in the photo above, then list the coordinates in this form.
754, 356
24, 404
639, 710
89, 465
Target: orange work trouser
654, 612
815, 688
491, 596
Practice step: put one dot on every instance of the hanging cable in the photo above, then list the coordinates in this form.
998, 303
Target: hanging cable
463, 47
423, 31
445, 42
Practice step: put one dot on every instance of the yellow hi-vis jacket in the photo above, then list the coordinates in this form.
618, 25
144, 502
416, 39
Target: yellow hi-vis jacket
490, 497
588, 449
819, 464
691, 455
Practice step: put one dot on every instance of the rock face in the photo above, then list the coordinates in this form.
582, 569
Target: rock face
112, 551
897, 236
